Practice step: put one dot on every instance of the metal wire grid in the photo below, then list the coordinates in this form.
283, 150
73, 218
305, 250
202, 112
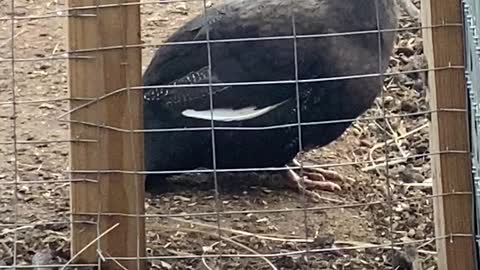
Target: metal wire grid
472, 71
63, 13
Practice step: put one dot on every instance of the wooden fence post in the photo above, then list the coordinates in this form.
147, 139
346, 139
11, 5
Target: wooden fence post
94, 72
449, 136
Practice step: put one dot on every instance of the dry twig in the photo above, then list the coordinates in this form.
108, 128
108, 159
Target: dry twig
89, 244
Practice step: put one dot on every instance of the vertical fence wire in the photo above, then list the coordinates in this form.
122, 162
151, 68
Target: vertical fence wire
303, 198
14, 131
212, 131
388, 184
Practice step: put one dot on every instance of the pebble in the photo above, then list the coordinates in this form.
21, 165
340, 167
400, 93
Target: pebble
408, 106
43, 257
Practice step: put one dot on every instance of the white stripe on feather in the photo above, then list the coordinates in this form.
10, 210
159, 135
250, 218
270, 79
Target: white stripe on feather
230, 115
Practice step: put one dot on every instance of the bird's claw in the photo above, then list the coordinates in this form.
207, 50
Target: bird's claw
313, 180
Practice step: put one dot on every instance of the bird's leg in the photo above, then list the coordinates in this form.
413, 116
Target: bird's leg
318, 181
317, 178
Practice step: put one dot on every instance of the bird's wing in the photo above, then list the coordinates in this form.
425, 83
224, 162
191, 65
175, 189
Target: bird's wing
172, 62
187, 51
182, 64
175, 96
228, 103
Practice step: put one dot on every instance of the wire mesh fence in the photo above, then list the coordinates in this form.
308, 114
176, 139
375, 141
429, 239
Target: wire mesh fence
472, 12
216, 214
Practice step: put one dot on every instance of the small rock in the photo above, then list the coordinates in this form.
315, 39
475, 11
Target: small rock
43, 257
181, 8
408, 106
405, 51
419, 235
266, 190
323, 241
46, 106
18, 12
418, 85
44, 66
422, 148
162, 264
404, 260
388, 101
181, 198
411, 221
409, 175
262, 220
23, 189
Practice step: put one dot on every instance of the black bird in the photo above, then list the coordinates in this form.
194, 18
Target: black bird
299, 67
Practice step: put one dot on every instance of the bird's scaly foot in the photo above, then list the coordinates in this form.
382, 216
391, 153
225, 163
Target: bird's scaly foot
317, 178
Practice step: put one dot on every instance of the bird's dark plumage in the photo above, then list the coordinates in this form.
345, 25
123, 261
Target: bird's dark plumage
260, 61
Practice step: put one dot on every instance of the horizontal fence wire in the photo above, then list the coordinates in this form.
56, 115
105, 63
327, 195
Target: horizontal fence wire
271, 255
71, 54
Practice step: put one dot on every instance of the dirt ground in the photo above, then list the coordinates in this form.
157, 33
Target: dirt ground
372, 216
